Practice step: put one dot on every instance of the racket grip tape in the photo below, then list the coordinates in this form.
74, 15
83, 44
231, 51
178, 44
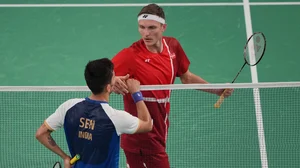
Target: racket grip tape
75, 159
220, 101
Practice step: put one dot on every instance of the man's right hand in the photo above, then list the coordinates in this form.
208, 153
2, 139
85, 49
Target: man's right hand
67, 162
120, 86
133, 85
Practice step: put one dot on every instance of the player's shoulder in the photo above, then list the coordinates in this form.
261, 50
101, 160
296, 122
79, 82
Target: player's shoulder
125, 52
134, 49
171, 41
137, 46
71, 102
111, 111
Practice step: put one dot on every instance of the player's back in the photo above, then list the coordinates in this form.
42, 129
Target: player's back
91, 133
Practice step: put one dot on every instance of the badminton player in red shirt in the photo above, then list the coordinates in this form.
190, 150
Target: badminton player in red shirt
153, 60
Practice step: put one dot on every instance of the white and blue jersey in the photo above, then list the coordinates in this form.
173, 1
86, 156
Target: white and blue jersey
93, 130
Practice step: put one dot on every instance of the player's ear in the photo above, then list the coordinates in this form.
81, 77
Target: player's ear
164, 26
109, 88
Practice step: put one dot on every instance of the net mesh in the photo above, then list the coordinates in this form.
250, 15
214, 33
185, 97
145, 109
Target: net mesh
199, 135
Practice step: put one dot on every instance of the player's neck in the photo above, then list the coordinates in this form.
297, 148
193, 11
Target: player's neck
156, 48
100, 97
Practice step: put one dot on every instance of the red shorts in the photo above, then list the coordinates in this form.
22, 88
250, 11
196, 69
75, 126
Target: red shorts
135, 160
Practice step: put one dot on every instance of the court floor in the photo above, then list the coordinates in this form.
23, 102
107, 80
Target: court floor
49, 46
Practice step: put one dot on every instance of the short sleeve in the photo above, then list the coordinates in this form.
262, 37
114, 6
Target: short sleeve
122, 62
124, 122
182, 60
56, 120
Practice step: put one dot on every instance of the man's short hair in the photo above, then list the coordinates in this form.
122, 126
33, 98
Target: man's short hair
98, 73
153, 9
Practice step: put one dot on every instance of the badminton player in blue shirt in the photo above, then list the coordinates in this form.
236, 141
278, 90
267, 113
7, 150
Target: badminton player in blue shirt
92, 127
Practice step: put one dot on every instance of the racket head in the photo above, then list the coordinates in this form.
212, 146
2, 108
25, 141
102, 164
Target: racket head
57, 165
255, 48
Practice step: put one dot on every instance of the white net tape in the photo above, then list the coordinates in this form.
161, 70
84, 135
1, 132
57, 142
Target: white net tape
158, 87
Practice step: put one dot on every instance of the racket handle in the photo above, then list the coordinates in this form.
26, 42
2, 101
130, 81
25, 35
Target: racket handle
220, 101
75, 159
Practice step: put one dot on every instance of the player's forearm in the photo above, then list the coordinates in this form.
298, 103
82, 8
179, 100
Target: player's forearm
189, 78
192, 79
197, 79
142, 112
49, 142
145, 120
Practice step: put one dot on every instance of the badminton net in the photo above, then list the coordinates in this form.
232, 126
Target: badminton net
258, 125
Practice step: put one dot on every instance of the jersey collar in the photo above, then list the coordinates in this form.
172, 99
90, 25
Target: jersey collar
163, 52
95, 101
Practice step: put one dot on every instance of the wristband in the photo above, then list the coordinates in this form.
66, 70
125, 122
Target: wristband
137, 96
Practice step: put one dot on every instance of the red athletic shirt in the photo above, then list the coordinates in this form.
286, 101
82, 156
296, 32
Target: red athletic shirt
151, 69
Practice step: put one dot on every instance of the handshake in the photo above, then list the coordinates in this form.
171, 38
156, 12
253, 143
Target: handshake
123, 85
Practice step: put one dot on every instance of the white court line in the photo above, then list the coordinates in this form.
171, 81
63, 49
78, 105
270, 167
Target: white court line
273, 3
256, 95
143, 4
120, 5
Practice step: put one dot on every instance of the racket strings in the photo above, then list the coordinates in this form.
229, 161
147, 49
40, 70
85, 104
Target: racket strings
255, 49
